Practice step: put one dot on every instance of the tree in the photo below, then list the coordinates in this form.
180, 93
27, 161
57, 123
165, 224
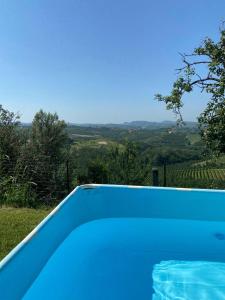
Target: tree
48, 135
45, 153
162, 158
127, 166
97, 172
10, 140
204, 69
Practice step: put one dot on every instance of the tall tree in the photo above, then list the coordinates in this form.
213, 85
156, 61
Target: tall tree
48, 135
204, 69
9, 140
46, 151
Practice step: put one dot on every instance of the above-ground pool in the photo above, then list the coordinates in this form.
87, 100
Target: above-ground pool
120, 242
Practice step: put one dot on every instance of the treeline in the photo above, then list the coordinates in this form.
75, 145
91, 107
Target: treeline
39, 165
115, 166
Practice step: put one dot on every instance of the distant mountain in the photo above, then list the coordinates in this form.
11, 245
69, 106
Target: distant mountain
130, 125
138, 125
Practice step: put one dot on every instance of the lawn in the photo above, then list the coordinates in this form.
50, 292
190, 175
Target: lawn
15, 224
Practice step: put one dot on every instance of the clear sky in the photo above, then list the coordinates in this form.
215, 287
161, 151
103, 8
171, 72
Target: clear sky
99, 60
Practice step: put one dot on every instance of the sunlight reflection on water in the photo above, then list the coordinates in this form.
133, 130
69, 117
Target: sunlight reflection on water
189, 280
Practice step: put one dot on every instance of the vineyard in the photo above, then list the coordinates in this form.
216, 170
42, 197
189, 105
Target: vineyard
194, 177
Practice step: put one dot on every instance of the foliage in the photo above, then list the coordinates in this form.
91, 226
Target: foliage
97, 172
173, 157
48, 135
9, 140
45, 153
32, 161
205, 69
20, 195
127, 166
117, 165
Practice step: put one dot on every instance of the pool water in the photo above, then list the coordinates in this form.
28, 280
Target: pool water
114, 258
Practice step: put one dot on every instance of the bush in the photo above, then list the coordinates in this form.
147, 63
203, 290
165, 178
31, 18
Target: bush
18, 195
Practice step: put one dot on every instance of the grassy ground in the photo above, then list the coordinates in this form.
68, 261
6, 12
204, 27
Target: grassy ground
15, 224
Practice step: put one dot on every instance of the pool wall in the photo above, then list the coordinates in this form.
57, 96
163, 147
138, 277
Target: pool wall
91, 202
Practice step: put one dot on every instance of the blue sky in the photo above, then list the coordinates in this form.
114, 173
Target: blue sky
99, 61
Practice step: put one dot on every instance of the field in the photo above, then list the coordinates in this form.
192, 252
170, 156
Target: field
194, 177
188, 165
15, 224
213, 174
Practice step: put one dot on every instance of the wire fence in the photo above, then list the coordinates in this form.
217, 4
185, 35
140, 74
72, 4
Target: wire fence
35, 182
45, 182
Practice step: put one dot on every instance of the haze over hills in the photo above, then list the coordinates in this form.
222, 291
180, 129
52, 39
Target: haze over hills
137, 124
129, 125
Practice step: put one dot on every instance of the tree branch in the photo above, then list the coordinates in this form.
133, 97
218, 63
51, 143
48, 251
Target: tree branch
203, 80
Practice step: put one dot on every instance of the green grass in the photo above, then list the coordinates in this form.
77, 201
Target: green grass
97, 143
15, 224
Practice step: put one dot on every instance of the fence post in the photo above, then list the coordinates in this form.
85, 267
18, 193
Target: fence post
67, 177
164, 174
155, 177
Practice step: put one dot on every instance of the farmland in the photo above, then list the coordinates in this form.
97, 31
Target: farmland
194, 177
181, 150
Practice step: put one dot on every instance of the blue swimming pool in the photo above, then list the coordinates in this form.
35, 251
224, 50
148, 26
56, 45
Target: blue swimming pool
115, 242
